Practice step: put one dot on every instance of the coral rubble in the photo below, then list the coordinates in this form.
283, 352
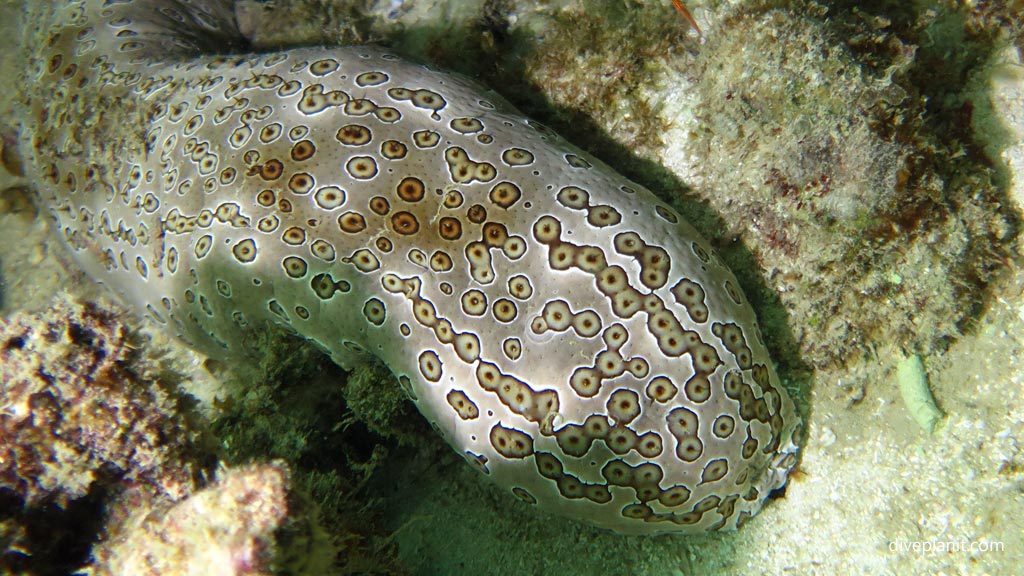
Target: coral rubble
73, 411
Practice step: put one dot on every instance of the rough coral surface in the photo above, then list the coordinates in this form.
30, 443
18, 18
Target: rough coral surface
873, 227
71, 412
227, 528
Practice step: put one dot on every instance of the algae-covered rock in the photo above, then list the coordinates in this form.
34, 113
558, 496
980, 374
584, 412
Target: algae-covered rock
75, 410
227, 528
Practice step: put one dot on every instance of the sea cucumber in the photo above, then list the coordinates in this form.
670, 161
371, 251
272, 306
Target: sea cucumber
917, 395
564, 330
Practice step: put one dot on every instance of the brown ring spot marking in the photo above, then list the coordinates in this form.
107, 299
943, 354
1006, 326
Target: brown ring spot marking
494, 234
576, 161
271, 169
623, 406
364, 260
294, 236
301, 183
520, 287
375, 311
429, 100
441, 261
476, 214
585, 382
239, 137
505, 194
573, 197
172, 260
141, 267
393, 150
603, 216
380, 205
323, 250
227, 176
705, 358
430, 366
512, 348
359, 107
294, 266
245, 251
724, 426
749, 448
411, 189
425, 138
700, 252
417, 257
548, 465
547, 229
193, 124
464, 407
590, 259
666, 214
352, 222
268, 224
467, 347
524, 495
557, 315
573, 440
251, 157
478, 461
466, 125
586, 323
373, 78
638, 367
463, 170
689, 448
405, 223
674, 496
329, 197
510, 442
649, 445
150, 203
453, 199
517, 157
303, 150
504, 310
691, 296
361, 167
271, 132
323, 67
714, 471
698, 389
354, 135
621, 440
324, 286
450, 228
570, 487
732, 338
223, 288
474, 302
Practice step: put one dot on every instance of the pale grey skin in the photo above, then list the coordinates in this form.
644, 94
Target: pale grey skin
576, 341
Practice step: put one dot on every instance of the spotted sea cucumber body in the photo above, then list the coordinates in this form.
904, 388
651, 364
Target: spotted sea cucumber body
561, 328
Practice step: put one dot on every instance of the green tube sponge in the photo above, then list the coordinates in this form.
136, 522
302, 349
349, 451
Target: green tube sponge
913, 383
